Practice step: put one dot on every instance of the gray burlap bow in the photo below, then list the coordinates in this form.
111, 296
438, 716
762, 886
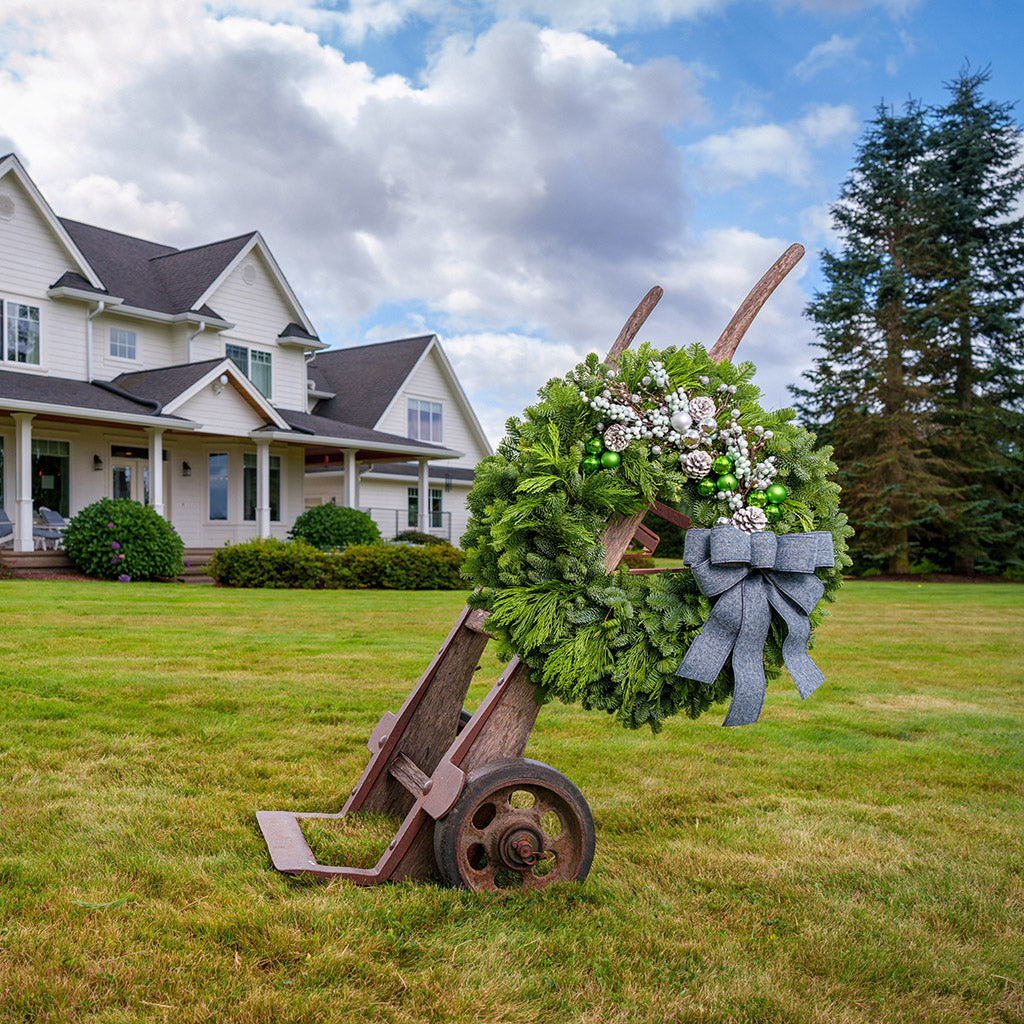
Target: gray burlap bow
751, 573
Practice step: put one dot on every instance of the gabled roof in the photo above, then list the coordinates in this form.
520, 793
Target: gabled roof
149, 275
173, 386
364, 380
10, 164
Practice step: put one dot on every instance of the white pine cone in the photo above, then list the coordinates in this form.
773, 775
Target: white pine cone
616, 439
696, 465
750, 520
702, 408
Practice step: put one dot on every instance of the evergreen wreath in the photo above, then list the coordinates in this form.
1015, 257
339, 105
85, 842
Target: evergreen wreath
670, 425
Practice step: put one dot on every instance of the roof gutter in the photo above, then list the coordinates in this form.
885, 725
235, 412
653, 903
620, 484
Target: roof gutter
100, 306
114, 390
136, 419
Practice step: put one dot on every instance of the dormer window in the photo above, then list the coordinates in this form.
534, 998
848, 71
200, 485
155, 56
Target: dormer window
122, 343
424, 420
21, 332
254, 364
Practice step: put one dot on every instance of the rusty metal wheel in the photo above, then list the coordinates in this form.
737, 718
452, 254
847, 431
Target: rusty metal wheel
518, 824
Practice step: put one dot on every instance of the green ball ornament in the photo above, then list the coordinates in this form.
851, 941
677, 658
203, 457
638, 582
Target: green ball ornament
706, 487
727, 482
773, 512
595, 446
777, 494
722, 465
591, 464
611, 460
757, 499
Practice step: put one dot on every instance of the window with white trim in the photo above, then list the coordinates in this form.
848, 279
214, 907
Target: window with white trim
256, 365
51, 475
249, 487
433, 516
424, 420
218, 485
20, 333
122, 343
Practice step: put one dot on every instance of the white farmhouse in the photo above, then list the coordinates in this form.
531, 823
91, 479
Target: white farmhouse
193, 381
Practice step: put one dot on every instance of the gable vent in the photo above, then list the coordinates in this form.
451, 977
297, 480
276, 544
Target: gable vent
249, 273
6, 206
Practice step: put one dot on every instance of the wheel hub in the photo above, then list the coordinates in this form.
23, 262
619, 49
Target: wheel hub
521, 847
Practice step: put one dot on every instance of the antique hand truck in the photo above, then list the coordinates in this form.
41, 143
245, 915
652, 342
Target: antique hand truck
473, 807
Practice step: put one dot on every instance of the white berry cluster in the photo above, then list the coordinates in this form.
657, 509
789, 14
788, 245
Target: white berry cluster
699, 426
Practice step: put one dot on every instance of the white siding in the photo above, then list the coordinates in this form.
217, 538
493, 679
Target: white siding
260, 311
32, 258
155, 346
227, 413
430, 381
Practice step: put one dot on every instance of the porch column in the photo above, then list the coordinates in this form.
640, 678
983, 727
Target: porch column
156, 469
351, 479
263, 488
423, 502
23, 540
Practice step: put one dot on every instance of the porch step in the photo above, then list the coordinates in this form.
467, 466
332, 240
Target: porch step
196, 561
28, 565
39, 565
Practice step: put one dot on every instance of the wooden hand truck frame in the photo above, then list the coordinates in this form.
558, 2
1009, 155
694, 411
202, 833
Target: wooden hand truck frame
473, 807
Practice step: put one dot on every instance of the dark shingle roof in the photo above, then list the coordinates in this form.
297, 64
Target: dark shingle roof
165, 383
150, 275
364, 380
329, 427
76, 394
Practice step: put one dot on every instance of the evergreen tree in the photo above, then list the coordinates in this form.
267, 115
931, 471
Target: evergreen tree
869, 393
920, 386
975, 287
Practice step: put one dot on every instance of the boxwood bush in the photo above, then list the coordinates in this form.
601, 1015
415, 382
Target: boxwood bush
334, 526
297, 564
119, 539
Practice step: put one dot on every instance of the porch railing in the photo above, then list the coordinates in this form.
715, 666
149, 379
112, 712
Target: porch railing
393, 521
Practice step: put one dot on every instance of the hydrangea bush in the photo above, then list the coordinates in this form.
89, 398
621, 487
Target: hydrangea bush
119, 539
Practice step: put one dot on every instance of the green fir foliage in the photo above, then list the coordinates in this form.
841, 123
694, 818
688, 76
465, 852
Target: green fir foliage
612, 642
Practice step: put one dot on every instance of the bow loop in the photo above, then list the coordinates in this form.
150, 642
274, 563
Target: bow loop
751, 574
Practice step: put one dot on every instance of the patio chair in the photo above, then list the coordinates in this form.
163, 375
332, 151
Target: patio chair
6, 528
53, 530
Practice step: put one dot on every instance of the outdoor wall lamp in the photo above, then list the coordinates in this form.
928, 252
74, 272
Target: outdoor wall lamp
97, 463
218, 384
186, 469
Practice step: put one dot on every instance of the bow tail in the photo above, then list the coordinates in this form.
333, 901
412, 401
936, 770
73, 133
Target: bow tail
706, 655
748, 653
807, 676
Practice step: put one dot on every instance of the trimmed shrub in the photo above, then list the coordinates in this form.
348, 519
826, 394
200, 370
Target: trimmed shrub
334, 526
416, 537
297, 564
268, 562
119, 539
401, 567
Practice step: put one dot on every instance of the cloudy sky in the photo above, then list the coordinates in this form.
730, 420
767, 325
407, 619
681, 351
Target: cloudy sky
513, 175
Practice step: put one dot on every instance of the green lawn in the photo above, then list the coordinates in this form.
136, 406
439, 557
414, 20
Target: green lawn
858, 857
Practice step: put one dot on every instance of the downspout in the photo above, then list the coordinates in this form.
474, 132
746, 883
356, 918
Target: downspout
192, 337
101, 305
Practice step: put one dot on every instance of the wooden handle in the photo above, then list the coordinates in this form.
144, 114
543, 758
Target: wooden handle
730, 338
633, 324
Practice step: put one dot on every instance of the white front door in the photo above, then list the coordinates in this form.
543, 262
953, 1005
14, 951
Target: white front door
131, 479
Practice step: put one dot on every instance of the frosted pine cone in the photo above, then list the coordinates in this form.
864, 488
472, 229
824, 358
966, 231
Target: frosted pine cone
701, 408
615, 438
750, 520
696, 465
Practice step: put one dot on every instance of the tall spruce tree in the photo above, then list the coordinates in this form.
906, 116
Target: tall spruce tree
920, 386
975, 288
869, 393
